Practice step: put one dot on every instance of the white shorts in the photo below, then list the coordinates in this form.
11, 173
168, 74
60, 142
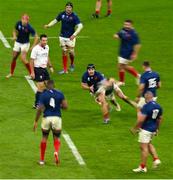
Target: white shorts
145, 136
142, 102
123, 60
67, 42
19, 47
51, 122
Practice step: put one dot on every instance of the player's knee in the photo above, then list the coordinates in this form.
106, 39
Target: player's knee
64, 50
71, 51
57, 134
45, 133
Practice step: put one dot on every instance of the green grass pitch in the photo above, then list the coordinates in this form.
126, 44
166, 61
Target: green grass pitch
109, 151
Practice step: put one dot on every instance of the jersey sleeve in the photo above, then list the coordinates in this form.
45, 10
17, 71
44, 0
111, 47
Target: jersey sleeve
32, 31
33, 53
59, 17
101, 77
136, 39
84, 79
142, 80
144, 110
76, 20
16, 26
41, 100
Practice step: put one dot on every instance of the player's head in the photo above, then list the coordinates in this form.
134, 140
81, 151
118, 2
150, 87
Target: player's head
50, 84
146, 65
25, 19
69, 7
128, 24
148, 96
43, 40
91, 69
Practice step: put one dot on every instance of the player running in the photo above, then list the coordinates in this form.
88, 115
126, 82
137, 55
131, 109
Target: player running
129, 48
149, 81
69, 20
148, 122
21, 35
104, 90
50, 103
98, 8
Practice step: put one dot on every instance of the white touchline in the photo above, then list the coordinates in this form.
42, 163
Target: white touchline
73, 149
4, 40
65, 135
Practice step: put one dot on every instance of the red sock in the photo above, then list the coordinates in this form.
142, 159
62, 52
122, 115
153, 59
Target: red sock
13, 65
109, 11
72, 59
64, 57
142, 165
155, 158
42, 150
121, 76
28, 67
132, 71
97, 12
57, 144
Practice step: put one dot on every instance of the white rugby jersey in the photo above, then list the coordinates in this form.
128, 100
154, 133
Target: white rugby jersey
40, 56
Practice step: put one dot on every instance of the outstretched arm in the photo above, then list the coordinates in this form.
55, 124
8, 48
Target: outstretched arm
52, 23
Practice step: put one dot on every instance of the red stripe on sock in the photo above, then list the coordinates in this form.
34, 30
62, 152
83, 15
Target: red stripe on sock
132, 71
121, 76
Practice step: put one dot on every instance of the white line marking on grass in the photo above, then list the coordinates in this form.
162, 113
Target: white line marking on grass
66, 136
4, 40
73, 149
55, 37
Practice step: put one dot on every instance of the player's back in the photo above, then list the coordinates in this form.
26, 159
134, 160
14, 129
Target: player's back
153, 111
150, 79
52, 99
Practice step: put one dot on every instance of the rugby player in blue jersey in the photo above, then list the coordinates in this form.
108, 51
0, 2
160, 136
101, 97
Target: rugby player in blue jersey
128, 52
69, 21
148, 123
103, 90
51, 102
149, 81
21, 35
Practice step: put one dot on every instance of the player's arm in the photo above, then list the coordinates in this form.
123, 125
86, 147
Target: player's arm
140, 119
50, 24
38, 114
159, 84
35, 41
64, 104
140, 91
32, 68
116, 36
77, 31
136, 49
86, 87
50, 65
15, 32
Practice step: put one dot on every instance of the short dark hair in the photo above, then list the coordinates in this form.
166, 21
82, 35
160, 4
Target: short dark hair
50, 84
146, 63
90, 66
129, 21
43, 35
69, 4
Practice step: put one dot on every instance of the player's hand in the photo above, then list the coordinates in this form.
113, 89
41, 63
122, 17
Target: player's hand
33, 75
35, 126
72, 37
133, 56
91, 89
51, 69
134, 131
46, 26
